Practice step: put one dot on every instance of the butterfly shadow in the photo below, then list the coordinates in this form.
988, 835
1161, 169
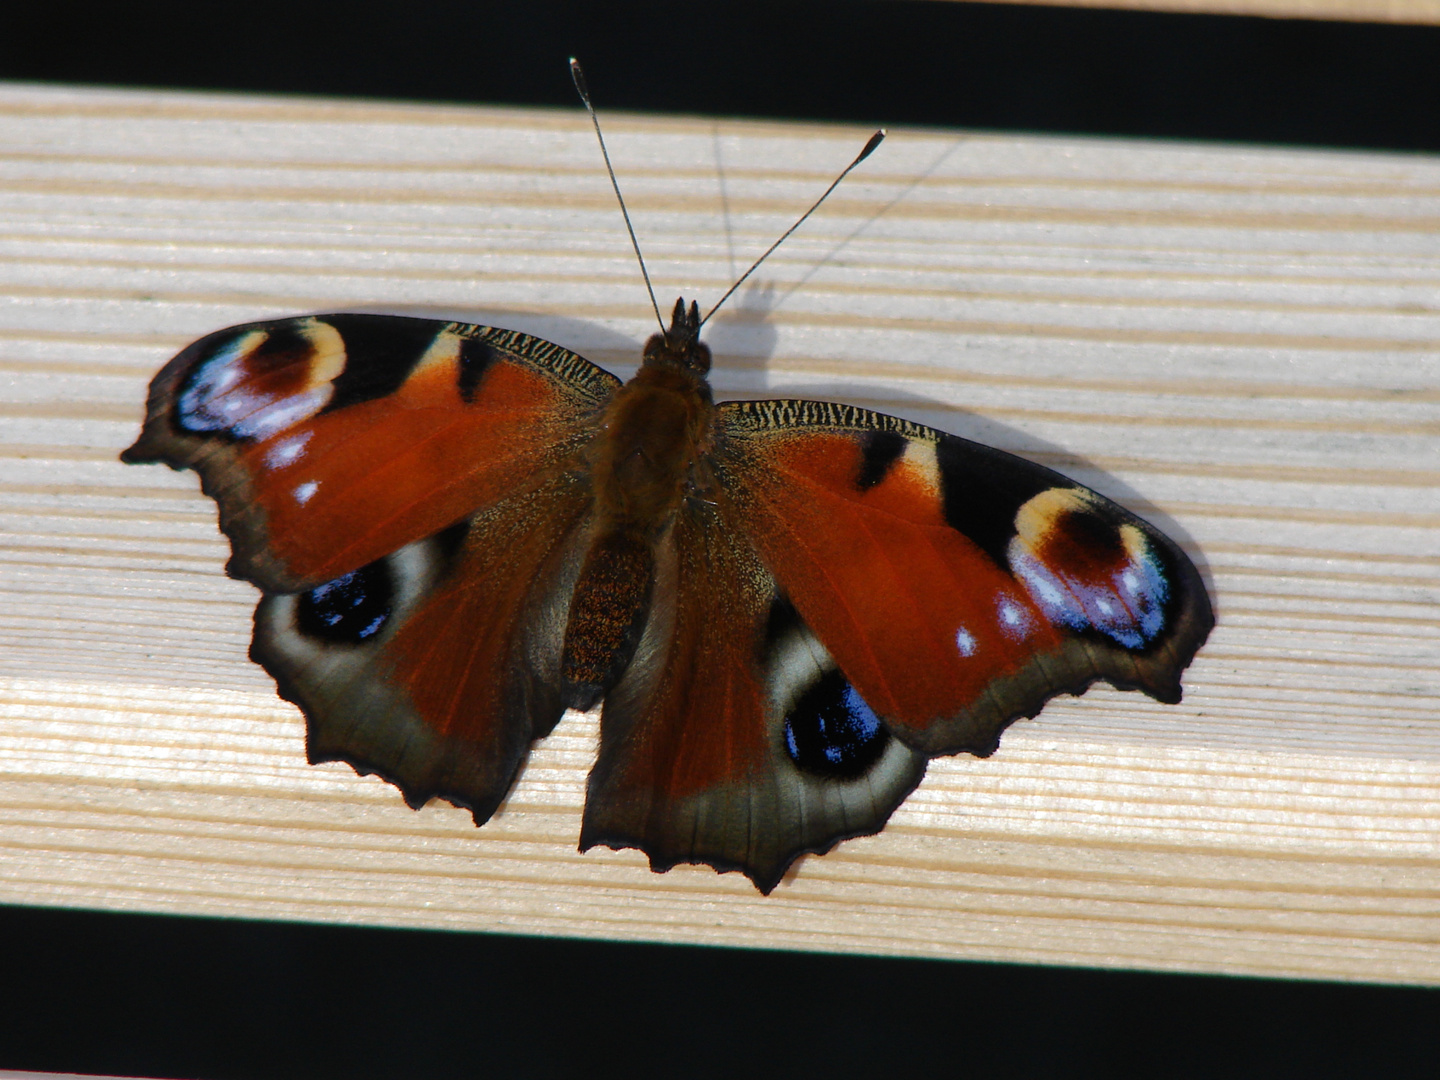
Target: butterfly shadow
745, 329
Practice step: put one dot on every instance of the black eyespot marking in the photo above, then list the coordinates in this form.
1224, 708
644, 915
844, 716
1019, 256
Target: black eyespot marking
983, 488
380, 353
1098, 537
284, 345
476, 356
450, 540
879, 450
832, 733
349, 610
783, 619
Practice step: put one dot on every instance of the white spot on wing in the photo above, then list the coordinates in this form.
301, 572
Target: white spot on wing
445, 349
1014, 619
266, 418
304, 492
964, 642
287, 451
923, 464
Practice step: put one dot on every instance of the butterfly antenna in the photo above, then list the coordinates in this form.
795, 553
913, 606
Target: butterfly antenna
584, 92
874, 141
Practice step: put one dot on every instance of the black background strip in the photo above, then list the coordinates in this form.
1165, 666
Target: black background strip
976, 65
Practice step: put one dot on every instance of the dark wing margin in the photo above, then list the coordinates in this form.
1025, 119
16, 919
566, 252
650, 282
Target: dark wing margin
957, 586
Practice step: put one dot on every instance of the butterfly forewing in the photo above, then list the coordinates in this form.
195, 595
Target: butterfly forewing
958, 587
332, 441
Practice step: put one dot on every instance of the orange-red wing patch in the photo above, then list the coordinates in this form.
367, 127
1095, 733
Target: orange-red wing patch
366, 480
690, 713
332, 441
913, 611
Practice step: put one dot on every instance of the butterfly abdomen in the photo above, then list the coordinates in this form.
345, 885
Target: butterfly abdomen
607, 615
654, 431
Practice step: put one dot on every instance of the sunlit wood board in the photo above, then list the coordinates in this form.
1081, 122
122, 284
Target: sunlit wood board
1241, 344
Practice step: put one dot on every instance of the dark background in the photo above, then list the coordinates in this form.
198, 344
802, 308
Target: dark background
975, 65
219, 999
271, 1001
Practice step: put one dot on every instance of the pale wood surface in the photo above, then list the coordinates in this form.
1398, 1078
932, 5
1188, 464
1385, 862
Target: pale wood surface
1242, 344
1393, 11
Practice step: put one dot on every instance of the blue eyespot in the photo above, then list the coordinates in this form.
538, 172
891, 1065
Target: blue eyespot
350, 609
832, 733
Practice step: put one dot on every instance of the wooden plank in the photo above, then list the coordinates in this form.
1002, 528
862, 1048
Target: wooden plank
1242, 344
1391, 11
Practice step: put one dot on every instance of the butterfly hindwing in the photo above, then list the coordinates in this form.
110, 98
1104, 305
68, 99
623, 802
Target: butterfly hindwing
438, 665
957, 586
733, 739
331, 441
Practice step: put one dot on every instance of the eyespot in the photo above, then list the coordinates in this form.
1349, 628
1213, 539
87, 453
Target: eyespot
349, 610
257, 382
832, 732
1087, 571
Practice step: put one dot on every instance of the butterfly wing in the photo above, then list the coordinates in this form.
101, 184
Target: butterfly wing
436, 666
732, 739
411, 499
957, 587
334, 440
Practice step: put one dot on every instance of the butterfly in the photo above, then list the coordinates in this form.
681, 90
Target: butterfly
786, 607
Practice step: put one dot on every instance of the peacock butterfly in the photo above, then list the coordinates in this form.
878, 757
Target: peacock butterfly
787, 607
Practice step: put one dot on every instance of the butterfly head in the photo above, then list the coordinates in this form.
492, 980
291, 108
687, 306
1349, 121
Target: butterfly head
680, 346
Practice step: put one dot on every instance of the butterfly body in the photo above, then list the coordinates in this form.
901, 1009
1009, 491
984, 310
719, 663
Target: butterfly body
786, 607
648, 459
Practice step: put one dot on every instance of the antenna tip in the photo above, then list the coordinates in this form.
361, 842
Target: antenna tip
875, 140
579, 78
